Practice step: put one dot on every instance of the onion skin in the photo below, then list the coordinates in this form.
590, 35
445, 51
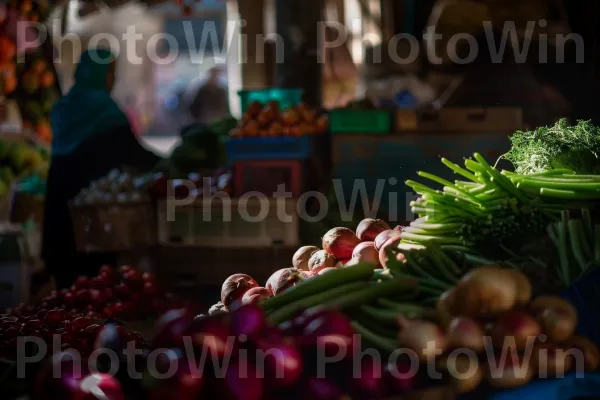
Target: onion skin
465, 333
551, 361
340, 242
416, 335
520, 325
591, 354
383, 256
486, 292
524, 290
301, 257
445, 307
458, 366
320, 260
369, 228
512, 375
235, 287
385, 236
366, 252
557, 316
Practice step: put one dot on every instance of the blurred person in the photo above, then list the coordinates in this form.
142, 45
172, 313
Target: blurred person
131, 109
211, 102
91, 136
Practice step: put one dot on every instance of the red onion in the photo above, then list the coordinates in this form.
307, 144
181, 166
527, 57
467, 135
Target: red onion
368, 383
402, 376
71, 369
210, 334
369, 228
301, 257
366, 252
170, 328
321, 389
186, 384
235, 287
248, 320
321, 259
256, 295
385, 236
383, 256
283, 279
340, 242
242, 382
100, 387
283, 363
331, 331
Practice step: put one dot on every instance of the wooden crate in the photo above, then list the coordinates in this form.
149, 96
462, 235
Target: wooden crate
455, 119
114, 226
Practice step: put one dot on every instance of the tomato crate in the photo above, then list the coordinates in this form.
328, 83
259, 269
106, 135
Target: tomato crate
269, 148
371, 122
225, 222
267, 176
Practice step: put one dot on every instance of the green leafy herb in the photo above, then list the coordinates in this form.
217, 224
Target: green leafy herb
574, 147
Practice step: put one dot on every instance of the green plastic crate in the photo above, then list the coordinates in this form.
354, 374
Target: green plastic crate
285, 97
360, 121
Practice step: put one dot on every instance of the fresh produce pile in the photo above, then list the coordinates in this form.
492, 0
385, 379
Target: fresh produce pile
493, 306
31, 83
122, 186
270, 121
19, 160
126, 294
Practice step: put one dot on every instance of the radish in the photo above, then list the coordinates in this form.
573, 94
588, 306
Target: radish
256, 295
366, 252
235, 287
384, 236
369, 228
301, 257
320, 260
340, 242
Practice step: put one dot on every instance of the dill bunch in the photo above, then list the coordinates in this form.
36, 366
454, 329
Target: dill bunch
574, 147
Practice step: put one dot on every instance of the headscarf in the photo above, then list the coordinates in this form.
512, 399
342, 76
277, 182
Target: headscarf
87, 109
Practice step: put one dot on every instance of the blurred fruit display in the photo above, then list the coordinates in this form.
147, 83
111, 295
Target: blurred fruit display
26, 72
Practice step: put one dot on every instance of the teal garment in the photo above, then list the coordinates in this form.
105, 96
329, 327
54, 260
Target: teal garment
87, 109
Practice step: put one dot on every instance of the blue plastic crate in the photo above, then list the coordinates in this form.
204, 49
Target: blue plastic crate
584, 295
269, 148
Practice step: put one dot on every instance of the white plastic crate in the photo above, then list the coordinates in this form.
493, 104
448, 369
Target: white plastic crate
230, 223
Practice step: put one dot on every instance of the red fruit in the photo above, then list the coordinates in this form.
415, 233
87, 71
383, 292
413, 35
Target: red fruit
321, 389
331, 331
83, 282
55, 317
235, 287
12, 332
150, 288
133, 278
256, 295
107, 280
109, 293
67, 386
117, 309
100, 387
369, 383
83, 296
147, 276
248, 320
211, 336
340, 242
283, 363
125, 268
41, 314
369, 228
79, 324
70, 299
34, 324
108, 270
97, 283
91, 331
123, 291
93, 314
